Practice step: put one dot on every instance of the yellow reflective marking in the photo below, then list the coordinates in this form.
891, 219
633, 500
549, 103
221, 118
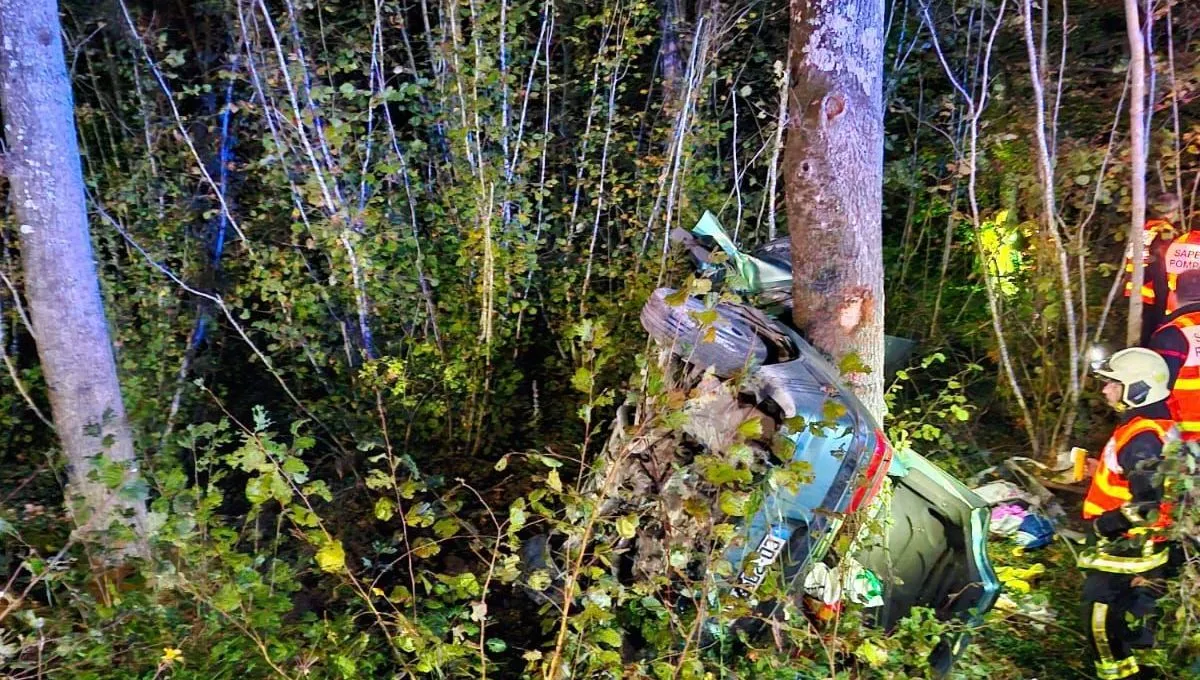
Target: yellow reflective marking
1121, 565
1100, 635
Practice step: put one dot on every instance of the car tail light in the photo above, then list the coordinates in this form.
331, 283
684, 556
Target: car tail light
881, 459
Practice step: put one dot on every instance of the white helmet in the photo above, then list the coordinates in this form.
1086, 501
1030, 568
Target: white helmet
1141, 372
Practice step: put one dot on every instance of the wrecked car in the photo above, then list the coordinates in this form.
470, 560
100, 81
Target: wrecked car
934, 552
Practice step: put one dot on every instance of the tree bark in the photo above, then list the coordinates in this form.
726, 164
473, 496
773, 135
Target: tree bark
669, 52
833, 167
61, 284
1137, 180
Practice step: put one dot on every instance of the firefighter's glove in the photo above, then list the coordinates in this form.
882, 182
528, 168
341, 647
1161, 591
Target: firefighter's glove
1111, 525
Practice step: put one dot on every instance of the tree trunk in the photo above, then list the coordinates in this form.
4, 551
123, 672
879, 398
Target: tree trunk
47, 198
669, 52
1137, 180
833, 167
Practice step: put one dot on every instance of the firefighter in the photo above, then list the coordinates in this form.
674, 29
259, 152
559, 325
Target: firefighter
1178, 342
1127, 565
1181, 254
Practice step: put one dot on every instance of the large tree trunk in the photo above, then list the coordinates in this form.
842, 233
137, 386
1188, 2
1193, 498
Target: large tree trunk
47, 198
1137, 180
833, 167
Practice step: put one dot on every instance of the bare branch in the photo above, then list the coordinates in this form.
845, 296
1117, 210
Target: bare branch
17, 382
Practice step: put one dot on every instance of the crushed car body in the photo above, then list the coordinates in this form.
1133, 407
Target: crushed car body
934, 554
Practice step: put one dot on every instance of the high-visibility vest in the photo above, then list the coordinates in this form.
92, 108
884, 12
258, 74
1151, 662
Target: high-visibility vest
1184, 401
1150, 231
1110, 488
1183, 254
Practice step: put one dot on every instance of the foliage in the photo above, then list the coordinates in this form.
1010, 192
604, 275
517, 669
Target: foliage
373, 271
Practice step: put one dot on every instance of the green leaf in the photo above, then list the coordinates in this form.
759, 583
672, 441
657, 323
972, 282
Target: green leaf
554, 481
706, 317
112, 474
724, 531
852, 363
425, 547
305, 517
627, 526
399, 595
516, 518
496, 645
135, 490
719, 472
935, 357
539, 580
582, 380
419, 515
783, 448
832, 410
331, 557
609, 637
378, 479
258, 490
227, 598
296, 468
345, 665
733, 503
319, 489
874, 656
677, 298
751, 428
280, 489
445, 527
384, 509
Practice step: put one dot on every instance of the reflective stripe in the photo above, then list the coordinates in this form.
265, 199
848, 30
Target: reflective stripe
1147, 292
1100, 633
1099, 561
1116, 670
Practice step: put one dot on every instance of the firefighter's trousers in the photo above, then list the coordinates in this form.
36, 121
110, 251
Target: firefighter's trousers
1120, 609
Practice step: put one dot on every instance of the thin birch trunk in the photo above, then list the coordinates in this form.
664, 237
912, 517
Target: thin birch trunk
1137, 140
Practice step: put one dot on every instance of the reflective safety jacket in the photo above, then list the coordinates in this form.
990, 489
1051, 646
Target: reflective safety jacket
1123, 492
1177, 341
1120, 463
1183, 254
